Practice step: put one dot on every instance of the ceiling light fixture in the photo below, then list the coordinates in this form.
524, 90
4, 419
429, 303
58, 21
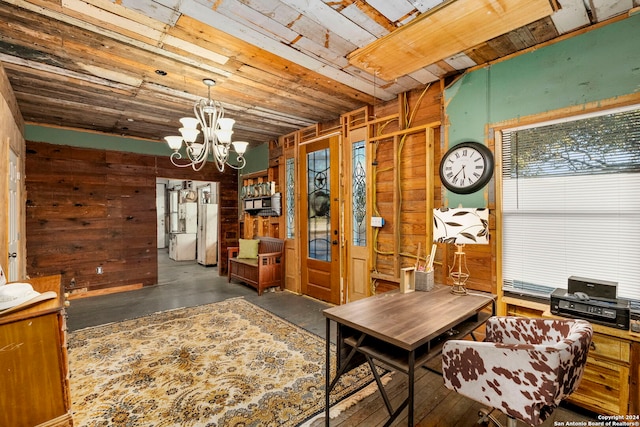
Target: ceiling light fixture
216, 130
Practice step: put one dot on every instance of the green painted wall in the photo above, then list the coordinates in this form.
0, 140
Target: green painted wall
95, 140
257, 158
594, 66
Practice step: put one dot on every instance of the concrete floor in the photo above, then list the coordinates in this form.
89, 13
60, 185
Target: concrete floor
187, 284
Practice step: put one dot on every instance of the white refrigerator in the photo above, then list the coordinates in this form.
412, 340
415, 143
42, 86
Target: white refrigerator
207, 240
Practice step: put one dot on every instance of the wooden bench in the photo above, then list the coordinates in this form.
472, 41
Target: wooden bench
263, 272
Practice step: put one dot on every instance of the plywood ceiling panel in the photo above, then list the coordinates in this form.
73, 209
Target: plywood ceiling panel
445, 32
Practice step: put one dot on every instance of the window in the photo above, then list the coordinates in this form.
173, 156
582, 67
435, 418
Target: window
290, 172
571, 203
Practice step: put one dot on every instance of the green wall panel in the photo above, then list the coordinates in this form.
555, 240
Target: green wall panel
257, 158
597, 65
95, 140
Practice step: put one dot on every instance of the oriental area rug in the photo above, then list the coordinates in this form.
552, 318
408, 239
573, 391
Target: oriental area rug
230, 363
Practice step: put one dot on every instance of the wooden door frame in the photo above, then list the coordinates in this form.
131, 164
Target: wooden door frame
301, 210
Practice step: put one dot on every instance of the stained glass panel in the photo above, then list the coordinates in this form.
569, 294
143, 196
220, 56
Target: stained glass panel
359, 189
290, 197
319, 201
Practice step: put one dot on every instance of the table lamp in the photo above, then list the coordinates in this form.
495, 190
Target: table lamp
460, 226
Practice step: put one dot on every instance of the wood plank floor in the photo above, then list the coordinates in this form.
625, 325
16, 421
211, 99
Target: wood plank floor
435, 406
186, 283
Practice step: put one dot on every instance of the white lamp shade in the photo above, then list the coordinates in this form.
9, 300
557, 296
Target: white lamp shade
189, 134
224, 136
189, 122
461, 225
196, 149
221, 151
240, 146
226, 123
175, 142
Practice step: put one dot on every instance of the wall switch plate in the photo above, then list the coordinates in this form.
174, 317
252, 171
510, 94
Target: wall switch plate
99, 270
377, 221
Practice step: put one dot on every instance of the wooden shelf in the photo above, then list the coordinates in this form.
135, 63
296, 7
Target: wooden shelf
260, 217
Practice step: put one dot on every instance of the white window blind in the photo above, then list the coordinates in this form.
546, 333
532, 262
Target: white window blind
571, 203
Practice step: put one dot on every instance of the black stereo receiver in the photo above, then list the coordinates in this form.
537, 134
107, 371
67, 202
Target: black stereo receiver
609, 313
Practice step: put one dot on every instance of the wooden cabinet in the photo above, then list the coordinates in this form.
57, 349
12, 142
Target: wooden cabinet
34, 385
605, 383
634, 403
261, 204
610, 382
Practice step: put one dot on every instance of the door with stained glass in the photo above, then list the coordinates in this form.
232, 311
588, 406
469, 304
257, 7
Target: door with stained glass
356, 215
319, 210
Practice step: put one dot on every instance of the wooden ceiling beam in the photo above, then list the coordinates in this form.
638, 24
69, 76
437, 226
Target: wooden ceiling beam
445, 32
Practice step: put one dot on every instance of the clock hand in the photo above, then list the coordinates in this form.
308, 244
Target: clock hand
455, 177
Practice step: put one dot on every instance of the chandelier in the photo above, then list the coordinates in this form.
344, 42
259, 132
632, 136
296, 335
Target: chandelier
216, 131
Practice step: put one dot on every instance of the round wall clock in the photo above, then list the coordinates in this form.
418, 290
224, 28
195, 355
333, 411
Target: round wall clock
466, 167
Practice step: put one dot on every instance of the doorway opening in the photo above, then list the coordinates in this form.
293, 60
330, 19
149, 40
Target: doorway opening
188, 227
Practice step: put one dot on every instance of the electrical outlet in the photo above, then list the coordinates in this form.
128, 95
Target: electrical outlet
72, 283
99, 269
377, 221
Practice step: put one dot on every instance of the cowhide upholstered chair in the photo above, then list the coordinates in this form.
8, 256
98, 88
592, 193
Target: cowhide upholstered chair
524, 368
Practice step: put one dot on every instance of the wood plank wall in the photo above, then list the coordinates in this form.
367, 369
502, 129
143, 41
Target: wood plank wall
405, 226
90, 207
397, 242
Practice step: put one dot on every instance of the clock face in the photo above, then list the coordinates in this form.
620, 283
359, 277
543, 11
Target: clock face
466, 167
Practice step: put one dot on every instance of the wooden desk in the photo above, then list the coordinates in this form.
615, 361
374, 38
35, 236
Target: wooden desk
402, 331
